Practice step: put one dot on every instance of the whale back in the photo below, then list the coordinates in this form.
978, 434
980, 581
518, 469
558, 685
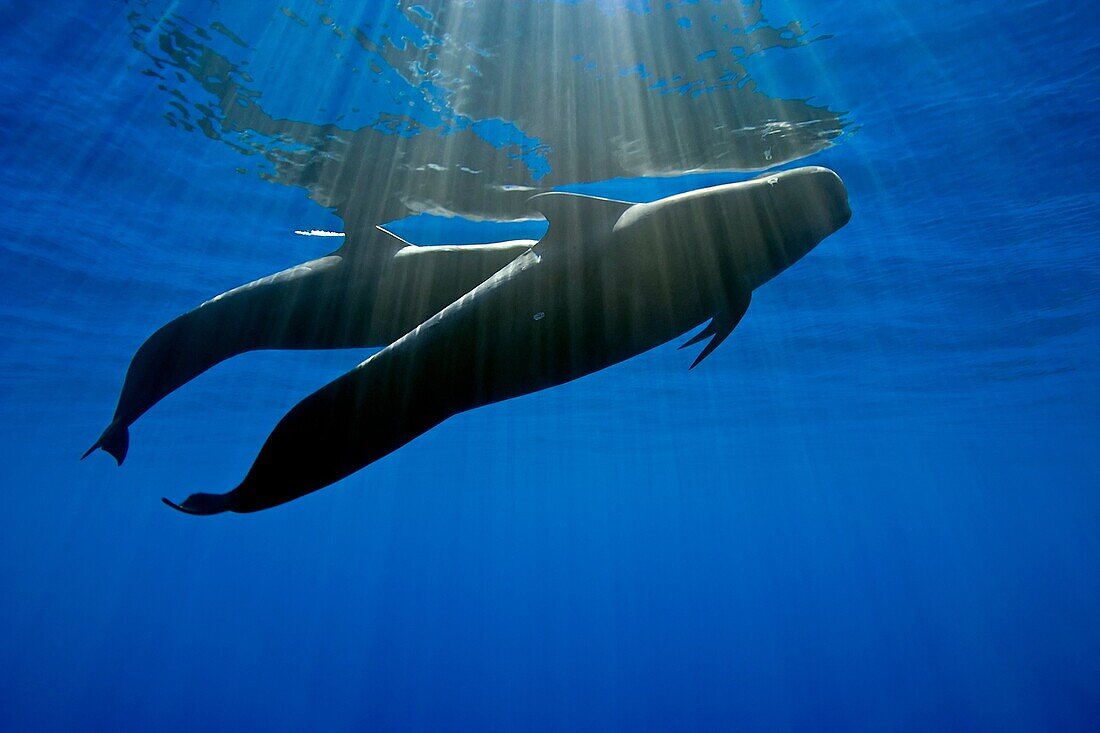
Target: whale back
417, 282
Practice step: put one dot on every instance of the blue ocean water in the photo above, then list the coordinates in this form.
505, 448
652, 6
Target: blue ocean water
875, 508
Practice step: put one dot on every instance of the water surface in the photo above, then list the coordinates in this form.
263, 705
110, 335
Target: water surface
874, 508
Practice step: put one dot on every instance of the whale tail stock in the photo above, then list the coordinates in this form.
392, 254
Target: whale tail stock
115, 440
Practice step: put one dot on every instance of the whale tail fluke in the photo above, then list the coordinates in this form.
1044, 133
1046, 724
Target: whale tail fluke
115, 441
203, 504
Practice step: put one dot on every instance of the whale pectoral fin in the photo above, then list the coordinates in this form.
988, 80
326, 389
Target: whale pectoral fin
720, 327
709, 330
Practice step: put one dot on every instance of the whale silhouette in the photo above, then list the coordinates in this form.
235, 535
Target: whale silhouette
609, 280
368, 292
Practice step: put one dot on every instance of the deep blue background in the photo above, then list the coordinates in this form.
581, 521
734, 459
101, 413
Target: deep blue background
876, 508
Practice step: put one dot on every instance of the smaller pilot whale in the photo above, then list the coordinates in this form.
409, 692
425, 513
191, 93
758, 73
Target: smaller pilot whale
368, 292
608, 281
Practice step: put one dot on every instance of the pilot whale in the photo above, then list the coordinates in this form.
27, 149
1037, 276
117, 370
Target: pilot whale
609, 280
368, 292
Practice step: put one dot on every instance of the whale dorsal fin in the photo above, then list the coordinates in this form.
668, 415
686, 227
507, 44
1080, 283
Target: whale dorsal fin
373, 243
389, 240
577, 212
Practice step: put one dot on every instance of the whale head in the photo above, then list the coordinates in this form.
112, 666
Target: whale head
793, 212
751, 230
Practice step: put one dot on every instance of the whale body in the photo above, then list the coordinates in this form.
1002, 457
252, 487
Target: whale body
609, 280
367, 293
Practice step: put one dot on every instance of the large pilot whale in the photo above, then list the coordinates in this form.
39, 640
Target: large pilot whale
370, 291
609, 280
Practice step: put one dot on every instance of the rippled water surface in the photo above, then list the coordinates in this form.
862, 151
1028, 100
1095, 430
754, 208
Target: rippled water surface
876, 507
